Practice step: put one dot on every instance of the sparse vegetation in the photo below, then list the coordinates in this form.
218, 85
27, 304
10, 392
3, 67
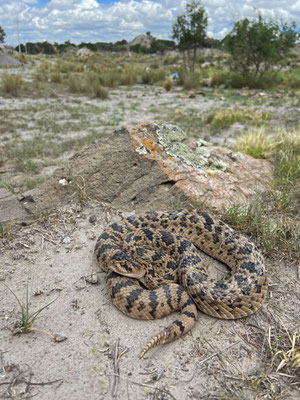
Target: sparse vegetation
271, 218
27, 317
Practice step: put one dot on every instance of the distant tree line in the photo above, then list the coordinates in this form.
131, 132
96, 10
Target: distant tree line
156, 45
48, 48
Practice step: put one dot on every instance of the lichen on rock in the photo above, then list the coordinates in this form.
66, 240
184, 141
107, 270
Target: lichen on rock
171, 138
141, 149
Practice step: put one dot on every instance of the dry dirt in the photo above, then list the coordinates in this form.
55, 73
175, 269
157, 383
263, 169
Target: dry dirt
217, 360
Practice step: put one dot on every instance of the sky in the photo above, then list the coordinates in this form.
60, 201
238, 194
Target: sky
109, 21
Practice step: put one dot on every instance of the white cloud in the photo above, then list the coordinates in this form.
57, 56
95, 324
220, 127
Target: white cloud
88, 20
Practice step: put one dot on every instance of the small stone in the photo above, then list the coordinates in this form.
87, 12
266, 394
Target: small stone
92, 219
93, 278
59, 338
67, 240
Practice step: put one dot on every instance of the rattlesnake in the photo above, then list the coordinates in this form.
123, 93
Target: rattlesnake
153, 268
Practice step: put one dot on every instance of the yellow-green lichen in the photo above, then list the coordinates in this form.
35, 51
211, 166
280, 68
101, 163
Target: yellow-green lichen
217, 166
171, 137
141, 149
235, 155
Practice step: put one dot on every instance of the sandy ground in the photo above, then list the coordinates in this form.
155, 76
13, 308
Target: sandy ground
98, 358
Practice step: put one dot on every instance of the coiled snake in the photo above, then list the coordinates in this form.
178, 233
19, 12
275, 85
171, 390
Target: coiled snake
153, 268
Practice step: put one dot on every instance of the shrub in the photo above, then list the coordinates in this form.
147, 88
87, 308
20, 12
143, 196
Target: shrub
75, 83
56, 77
110, 78
129, 76
168, 85
258, 45
190, 80
218, 78
99, 91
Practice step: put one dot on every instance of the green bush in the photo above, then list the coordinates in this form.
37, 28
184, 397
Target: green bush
257, 46
168, 85
290, 79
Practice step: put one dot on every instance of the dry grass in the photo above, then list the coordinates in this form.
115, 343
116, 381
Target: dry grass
12, 85
285, 352
226, 117
273, 217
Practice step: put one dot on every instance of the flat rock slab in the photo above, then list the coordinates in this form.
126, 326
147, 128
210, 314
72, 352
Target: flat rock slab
153, 167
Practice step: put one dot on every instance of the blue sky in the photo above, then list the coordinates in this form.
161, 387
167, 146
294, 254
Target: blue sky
109, 21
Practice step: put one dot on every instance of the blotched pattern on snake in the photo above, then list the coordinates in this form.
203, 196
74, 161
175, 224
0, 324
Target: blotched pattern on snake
153, 268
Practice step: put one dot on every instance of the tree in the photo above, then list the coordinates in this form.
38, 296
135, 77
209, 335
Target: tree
2, 35
190, 31
258, 45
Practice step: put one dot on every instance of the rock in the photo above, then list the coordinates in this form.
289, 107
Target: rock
8, 60
10, 208
84, 52
2, 49
92, 219
152, 167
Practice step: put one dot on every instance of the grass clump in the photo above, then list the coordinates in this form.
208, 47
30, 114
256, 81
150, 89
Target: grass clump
155, 76
12, 84
27, 317
168, 85
226, 117
190, 81
271, 217
88, 83
256, 142
282, 146
109, 78
99, 91
4, 231
284, 348
129, 76
276, 232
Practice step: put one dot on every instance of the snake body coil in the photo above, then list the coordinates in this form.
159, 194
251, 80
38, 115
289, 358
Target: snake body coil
154, 268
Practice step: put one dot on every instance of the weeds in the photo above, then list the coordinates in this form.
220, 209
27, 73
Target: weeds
4, 230
27, 317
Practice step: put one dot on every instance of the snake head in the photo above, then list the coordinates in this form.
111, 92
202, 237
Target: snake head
122, 264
